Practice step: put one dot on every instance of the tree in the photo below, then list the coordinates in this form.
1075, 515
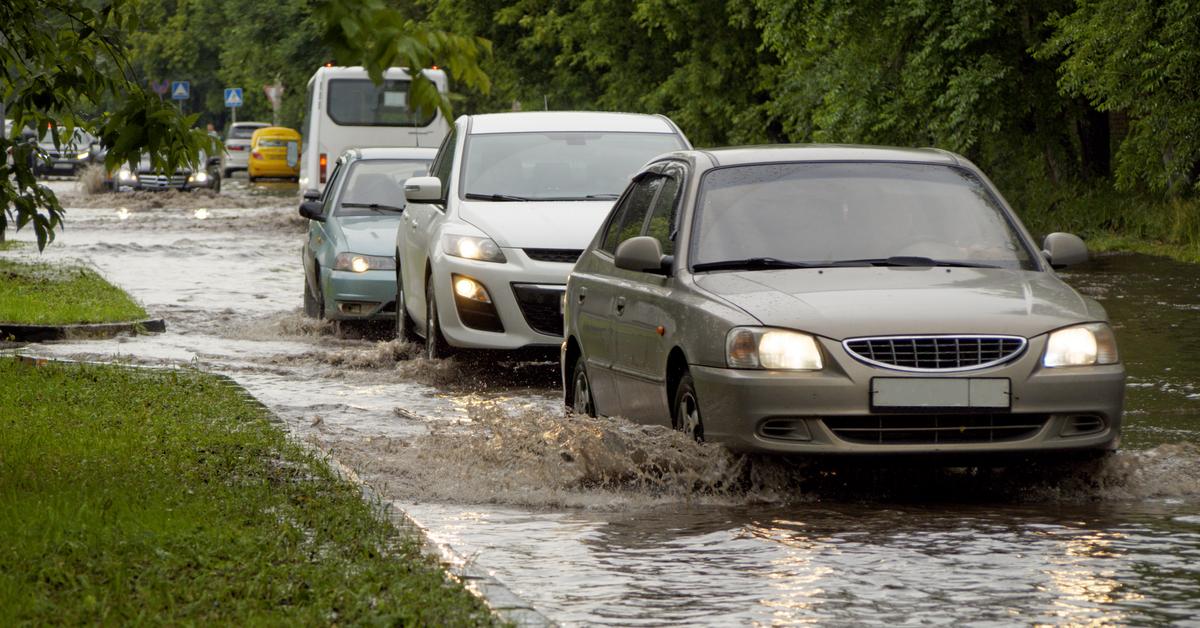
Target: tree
67, 65
1140, 58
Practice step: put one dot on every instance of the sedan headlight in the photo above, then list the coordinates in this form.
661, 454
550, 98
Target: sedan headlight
125, 174
362, 263
472, 247
757, 347
199, 177
1081, 345
82, 156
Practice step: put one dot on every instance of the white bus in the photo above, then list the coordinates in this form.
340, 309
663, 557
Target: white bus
345, 109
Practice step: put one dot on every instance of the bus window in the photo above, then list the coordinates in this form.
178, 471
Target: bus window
359, 102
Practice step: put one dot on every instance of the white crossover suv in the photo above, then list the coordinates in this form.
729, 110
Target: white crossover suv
487, 241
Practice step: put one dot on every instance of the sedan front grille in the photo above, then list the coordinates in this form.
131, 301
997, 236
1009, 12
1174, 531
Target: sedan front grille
935, 429
161, 182
542, 306
935, 353
566, 256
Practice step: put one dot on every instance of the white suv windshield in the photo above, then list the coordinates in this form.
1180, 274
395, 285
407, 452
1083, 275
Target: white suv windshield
851, 214
557, 166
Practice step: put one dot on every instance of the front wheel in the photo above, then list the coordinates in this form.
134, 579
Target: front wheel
405, 326
687, 409
436, 346
314, 306
581, 390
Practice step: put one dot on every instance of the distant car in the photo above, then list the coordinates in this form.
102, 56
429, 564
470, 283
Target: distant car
146, 177
487, 241
274, 152
73, 153
349, 272
237, 146
831, 299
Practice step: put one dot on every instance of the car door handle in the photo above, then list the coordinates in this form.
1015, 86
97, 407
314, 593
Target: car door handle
620, 305
581, 295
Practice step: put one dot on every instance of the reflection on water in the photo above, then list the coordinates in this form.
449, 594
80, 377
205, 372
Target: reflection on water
598, 521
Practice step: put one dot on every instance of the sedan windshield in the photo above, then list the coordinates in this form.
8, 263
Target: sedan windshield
374, 187
568, 166
803, 215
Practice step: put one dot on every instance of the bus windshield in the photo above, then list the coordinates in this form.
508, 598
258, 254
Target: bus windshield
359, 102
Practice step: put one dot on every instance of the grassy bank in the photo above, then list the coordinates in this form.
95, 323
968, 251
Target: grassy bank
131, 496
37, 293
1111, 220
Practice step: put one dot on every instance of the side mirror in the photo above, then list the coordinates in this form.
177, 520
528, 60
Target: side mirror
312, 195
312, 211
423, 190
1064, 249
642, 254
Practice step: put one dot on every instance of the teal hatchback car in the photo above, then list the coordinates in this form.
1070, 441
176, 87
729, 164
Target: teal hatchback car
349, 267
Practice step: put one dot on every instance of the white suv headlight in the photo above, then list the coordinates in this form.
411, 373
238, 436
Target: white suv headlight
363, 263
1081, 345
473, 247
758, 347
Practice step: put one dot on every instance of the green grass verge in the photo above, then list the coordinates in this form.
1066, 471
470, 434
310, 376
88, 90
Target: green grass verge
1112, 220
36, 293
12, 245
130, 497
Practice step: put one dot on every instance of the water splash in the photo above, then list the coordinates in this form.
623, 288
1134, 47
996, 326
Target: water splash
540, 458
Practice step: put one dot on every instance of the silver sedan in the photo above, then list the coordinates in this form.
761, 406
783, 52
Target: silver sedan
837, 299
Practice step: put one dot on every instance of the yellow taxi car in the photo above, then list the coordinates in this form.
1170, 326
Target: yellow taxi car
274, 152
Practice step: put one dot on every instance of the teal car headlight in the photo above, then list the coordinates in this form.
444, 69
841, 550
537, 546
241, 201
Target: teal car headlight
764, 348
473, 247
1081, 345
355, 262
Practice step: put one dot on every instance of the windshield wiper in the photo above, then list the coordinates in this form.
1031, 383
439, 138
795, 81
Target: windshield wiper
604, 195
906, 260
751, 263
494, 197
375, 206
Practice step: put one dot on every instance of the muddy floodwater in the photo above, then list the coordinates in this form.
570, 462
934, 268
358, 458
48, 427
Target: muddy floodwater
603, 522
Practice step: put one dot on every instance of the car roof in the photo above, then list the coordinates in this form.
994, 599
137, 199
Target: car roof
739, 155
558, 121
392, 153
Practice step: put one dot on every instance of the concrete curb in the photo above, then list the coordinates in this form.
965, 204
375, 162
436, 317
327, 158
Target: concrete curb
494, 594
83, 331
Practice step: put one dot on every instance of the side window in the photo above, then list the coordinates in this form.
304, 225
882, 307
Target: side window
661, 224
443, 163
627, 221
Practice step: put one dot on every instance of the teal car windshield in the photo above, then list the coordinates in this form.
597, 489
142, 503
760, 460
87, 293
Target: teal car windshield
851, 213
566, 166
376, 186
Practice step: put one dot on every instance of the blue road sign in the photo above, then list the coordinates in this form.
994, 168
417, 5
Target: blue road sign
181, 90
233, 97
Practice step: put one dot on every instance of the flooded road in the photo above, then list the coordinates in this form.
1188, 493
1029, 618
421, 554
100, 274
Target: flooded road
602, 522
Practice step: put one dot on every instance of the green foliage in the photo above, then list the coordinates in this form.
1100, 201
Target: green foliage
63, 63
132, 497
1140, 58
1025, 88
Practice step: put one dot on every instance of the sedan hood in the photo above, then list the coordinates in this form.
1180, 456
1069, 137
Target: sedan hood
842, 303
369, 235
540, 225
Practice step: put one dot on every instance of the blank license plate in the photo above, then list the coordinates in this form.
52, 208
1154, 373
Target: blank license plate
931, 392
